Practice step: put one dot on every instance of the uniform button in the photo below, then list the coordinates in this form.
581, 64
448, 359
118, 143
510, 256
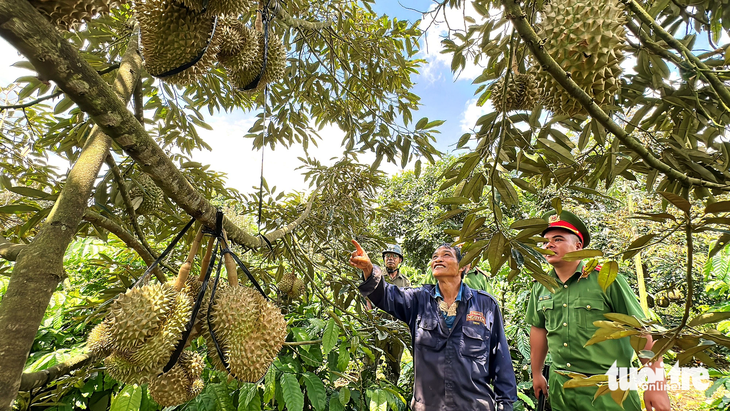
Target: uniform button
588, 306
565, 324
565, 285
565, 344
568, 364
565, 305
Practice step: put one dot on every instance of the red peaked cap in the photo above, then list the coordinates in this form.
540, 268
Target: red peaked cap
567, 221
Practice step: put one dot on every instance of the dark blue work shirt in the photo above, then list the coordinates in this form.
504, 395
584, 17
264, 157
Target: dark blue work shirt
455, 367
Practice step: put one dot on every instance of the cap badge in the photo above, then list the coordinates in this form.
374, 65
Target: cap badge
554, 218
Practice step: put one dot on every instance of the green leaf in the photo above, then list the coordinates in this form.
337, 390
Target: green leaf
557, 204
421, 123
29, 192
128, 399
718, 207
343, 357
344, 395
581, 254
63, 105
217, 397
636, 245
454, 201
329, 339
292, 392
708, 318
315, 391
528, 223
676, 200
378, 400
17, 209
246, 394
270, 384
253, 405
624, 319
608, 274
334, 404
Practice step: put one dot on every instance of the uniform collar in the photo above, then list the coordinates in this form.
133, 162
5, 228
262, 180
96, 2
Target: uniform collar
578, 269
437, 292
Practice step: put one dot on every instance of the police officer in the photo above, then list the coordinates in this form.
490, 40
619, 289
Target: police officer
391, 345
562, 322
460, 355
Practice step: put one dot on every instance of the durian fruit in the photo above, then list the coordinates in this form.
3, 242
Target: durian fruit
219, 7
155, 352
139, 313
181, 384
521, 93
173, 36
287, 282
67, 14
250, 331
297, 289
149, 196
120, 367
100, 341
275, 64
239, 48
586, 39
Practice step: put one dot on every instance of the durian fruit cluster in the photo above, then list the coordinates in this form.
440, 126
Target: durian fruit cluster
521, 93
249, 329
292, 285
182, 383
197, 33
174, 36
140, 332
67, 14
146, 194
242, 55
586, 39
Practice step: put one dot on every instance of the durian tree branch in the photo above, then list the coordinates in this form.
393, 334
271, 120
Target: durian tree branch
534, 43
57, 60
9, 250
722, 92
653, 46
124, 191
38, 379
39, 266
126, 237
138, 101
32, 102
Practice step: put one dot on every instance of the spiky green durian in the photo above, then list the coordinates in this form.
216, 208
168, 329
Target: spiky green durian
138, 314
297, 289
181, 384
521, 93
155, 352
152, 197
219, 7
239, 46
275, 65
66, 14
100, 341
250, 331
121, 368
586, 39
287, 281
174, 36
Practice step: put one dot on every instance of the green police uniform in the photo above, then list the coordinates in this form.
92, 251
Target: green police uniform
568, 316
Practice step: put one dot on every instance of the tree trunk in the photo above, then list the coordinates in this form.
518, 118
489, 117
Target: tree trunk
39, 266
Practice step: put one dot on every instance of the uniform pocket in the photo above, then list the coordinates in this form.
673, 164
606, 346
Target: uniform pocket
475, 342
587, 311
427, 333
545, 307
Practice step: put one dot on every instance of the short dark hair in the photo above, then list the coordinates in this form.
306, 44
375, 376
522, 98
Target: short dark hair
457, 250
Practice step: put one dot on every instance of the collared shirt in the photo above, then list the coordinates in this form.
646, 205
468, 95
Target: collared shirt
467, 367
400, 280
449, 318
568, 316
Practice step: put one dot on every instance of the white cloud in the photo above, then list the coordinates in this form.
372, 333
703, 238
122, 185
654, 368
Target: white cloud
473, 113
435, 29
